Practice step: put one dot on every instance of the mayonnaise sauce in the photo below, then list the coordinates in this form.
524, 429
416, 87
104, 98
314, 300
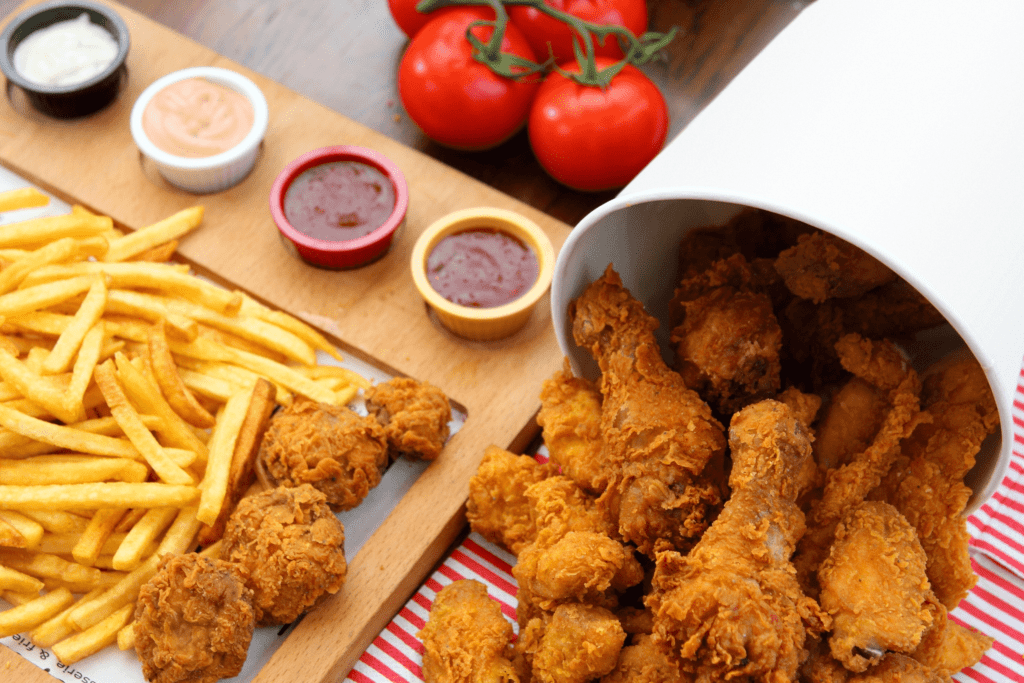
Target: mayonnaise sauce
196, 118
65, 53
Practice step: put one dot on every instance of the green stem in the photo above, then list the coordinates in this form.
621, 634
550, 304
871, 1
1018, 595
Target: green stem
635, 50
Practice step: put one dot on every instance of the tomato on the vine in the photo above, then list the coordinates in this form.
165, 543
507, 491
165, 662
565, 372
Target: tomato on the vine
541, 29
592, 139
455, 100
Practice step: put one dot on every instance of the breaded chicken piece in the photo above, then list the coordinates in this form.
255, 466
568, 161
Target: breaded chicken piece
658, 434
580, 643
728, 339
414, 415
644, 661
948, 647
466, 638
570, 417
822, 266
873, 585
194, 620
338, 451
927, 485
497, 508
732, 608
882, 365
291, 547
850, 421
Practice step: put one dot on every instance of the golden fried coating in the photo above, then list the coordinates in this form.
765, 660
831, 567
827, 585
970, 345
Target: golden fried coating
497, 508
291, 546
644, 661
570, 417
851, 419
948, 647
194, 620
728, 340
882, 365
927, 485
658, 434
874, 587
338, 451
466, 638
414, 415
822, 266
580, 643
732, 608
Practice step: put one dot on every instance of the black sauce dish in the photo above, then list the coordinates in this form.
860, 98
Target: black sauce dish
78, 99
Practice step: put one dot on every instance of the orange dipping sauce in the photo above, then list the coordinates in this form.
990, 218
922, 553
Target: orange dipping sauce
196, 118
482, 268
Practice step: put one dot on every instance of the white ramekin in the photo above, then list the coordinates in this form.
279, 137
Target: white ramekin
213, 173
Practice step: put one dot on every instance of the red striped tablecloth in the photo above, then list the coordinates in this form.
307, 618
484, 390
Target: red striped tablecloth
995, 606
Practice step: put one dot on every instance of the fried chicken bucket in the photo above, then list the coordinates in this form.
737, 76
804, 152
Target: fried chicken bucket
859, 121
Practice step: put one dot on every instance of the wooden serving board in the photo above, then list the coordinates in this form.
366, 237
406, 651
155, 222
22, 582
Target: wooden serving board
374, 312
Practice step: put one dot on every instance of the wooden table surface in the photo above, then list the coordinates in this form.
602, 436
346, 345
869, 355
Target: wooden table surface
345, 55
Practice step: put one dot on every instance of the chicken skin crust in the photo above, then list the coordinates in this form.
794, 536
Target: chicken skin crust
466, 639
291, 546
659, 435
873, 585
414, 415
338, 451
193, 621
732, 608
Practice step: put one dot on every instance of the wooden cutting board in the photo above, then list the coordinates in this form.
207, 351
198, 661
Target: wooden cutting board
373, 312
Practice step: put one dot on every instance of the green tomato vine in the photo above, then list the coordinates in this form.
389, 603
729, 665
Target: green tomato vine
636, 50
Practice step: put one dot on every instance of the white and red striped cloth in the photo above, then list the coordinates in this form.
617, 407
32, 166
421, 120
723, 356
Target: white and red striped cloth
995, 606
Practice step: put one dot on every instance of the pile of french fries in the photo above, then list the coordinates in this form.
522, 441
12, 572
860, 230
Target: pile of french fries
132, 401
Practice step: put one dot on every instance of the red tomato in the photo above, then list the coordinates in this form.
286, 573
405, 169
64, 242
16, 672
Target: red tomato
541, 29
592, 139
457, 101
408, 19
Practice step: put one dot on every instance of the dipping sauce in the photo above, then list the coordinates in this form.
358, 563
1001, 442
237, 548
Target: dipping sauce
65, 53
482, 268
196, 118
339, 200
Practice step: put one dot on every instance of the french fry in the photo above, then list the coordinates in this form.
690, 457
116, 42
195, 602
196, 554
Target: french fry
148, 397
63, 544
181, 535
150, 307
30, 530
135, 430
130, 552
37, 388
93, 639
32, 299
57, 628
94, 496
56, 252
126, 637
300, 329
39, 231
172, 227
58, 521
171, 384
206, 385
124, 592
89, 544
11, 537
22, 198
242, 471
31, 614
17, 598
47, 566
105, 579
63, 436
13, 580
85, 364
158, 254
31, 472
222, 448
63, 353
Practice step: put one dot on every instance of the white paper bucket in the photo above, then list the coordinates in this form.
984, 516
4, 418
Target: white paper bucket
897, 125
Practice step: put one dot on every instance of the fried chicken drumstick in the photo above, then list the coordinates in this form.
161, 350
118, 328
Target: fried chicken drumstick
659, 436
732, 608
